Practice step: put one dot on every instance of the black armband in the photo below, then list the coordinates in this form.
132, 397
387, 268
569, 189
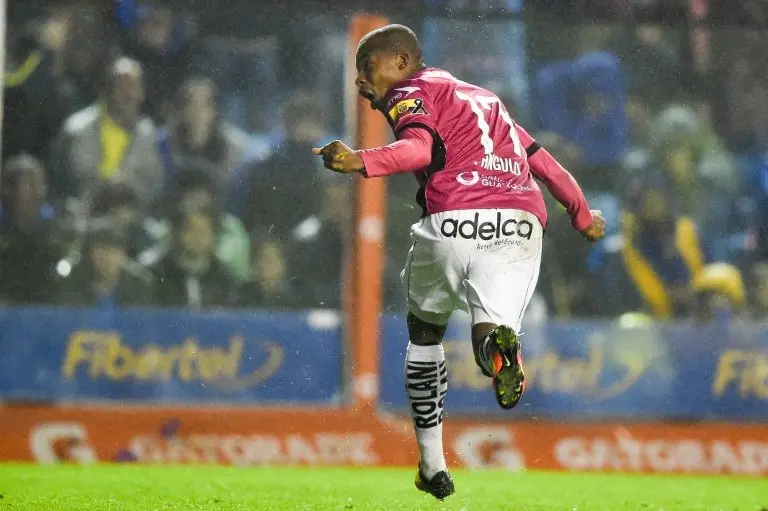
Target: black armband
531, 149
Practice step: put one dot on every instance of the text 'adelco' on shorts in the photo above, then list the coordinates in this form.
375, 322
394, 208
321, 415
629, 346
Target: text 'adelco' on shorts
485, 262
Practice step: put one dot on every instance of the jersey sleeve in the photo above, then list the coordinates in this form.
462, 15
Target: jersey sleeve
412, 152
412, 106
560, 183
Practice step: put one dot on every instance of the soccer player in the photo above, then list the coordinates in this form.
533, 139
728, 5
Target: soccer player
477, 246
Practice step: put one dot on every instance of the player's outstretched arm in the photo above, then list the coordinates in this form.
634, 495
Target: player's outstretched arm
411, 153
563, 187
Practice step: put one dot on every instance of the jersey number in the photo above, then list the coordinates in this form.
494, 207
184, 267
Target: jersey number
479, 104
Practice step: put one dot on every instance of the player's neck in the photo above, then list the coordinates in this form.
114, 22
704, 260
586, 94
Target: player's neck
407, 75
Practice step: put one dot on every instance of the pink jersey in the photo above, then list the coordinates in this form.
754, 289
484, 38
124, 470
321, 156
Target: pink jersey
479, 155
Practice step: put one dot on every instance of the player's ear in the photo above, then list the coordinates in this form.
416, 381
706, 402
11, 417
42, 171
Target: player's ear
402, 61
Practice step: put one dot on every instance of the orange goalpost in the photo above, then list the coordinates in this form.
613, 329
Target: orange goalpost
365, 259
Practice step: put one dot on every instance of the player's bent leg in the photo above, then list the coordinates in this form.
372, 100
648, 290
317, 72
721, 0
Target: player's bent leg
499, 286
426, 384
498, 354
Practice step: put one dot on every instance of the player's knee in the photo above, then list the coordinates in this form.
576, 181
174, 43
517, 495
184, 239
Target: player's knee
422, 333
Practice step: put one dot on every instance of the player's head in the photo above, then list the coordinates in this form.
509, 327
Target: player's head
384, 57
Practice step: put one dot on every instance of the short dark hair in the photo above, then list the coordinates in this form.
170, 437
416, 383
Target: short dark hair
393, 39
110, 196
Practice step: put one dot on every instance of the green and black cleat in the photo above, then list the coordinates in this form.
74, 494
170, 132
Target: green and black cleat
440, 486
508, 376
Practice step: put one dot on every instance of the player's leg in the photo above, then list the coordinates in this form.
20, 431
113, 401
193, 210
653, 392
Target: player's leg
430, 285
426, 383
501, 282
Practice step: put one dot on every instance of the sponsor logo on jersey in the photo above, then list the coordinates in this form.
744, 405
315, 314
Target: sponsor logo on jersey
473, 178
468, 178
403, 91
393, 99
408, 106
486, 231
507, 165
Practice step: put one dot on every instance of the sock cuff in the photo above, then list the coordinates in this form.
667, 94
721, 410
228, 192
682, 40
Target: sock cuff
434, 353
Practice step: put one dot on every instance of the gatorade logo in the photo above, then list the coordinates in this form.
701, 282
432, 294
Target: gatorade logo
55, 442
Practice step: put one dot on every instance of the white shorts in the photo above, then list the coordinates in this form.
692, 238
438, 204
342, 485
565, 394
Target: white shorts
483, 261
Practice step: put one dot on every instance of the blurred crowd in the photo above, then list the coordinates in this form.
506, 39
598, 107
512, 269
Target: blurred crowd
151, 160
124, 184
676, 157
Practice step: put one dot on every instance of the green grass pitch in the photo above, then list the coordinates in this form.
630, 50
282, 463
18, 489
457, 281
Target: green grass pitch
148, 488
